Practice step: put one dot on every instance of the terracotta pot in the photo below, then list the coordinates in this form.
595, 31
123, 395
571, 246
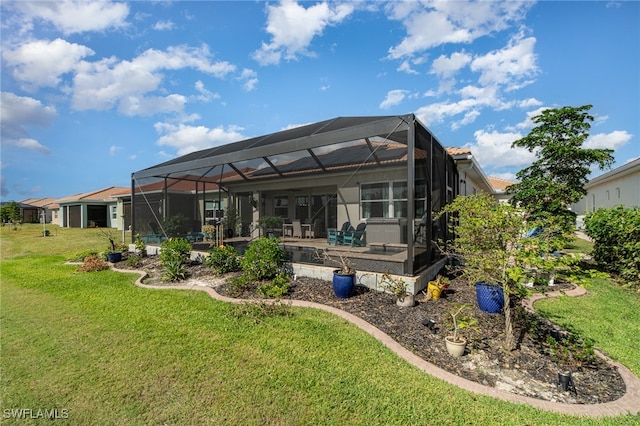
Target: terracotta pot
455, 349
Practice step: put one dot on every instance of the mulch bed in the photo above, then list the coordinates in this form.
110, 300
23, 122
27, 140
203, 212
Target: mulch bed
530, 370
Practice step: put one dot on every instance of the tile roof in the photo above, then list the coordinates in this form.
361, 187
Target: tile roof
105, 194
498, 183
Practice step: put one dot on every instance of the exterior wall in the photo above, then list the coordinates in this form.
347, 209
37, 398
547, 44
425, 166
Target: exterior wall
619, 187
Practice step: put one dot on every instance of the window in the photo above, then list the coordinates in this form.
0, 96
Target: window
114, 212
281, 206
593, 202
210, 209
389, 199
618, 192
374, 199
608, 196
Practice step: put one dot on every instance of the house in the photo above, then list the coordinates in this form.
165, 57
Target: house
617, 187
45, 206
28, 212
91, 209
388, 172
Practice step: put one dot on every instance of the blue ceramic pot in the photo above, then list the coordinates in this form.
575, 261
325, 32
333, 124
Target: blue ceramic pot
114, 257
343, 284
490, 297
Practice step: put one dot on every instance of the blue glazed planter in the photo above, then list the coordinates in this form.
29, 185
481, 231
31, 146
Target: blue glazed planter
490, 297
114, 257
343, 284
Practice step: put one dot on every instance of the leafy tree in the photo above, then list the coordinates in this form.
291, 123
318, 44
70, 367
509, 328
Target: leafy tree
557, 178
10, 211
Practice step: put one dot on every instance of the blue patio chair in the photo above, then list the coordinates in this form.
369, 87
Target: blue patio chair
353, 237
334, 236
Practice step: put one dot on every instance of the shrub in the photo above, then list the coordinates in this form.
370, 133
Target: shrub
616, 236
134, 260
175, 249
223, 259
572, 351
263, 259
173, 255
239, 284
277, 287
93, 263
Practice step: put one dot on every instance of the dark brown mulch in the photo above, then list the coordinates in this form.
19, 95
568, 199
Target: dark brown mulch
531, 370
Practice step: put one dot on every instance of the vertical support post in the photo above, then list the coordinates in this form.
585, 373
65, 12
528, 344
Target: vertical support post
411, 176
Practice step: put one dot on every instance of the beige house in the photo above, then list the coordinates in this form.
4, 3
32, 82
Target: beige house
618, 187
91, 209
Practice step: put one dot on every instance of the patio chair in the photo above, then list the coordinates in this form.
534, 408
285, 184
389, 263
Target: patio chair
297, 228
353, 237
334, 236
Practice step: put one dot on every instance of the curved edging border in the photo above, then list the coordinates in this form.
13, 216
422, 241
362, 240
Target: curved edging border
629, 403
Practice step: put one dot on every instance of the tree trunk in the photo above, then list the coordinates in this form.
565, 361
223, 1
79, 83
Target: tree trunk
509, 339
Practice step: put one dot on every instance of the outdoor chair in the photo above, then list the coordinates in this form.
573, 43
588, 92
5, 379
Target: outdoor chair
297, 228
354, 237
334, 236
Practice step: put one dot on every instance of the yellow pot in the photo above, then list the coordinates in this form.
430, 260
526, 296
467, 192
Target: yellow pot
434, 291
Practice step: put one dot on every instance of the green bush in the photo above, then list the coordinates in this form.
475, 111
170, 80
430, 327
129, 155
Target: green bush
277, 287
175, 249
223, 259
616, 240
263, 259
174, 254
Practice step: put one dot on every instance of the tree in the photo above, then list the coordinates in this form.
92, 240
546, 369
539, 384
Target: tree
487, 235
10, 212
557, 178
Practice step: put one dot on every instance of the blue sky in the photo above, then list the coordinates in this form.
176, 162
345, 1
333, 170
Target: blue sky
93, 91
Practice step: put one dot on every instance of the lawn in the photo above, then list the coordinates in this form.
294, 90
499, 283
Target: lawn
103, 351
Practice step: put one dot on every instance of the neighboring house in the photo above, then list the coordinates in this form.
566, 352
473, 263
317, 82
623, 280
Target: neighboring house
45, 206
473, 179
28, 212
500, 188
617, 187
89, 210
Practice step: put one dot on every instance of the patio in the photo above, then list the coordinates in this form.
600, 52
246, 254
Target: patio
386, 173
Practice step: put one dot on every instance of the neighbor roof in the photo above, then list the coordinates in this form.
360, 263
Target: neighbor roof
103, 195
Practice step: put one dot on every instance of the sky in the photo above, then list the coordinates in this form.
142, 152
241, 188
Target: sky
92, 91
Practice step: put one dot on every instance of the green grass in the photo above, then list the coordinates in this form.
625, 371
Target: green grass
112, 353
608, 315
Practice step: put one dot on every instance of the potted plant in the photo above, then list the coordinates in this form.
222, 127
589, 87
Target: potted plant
456, 343
112, 253
344, 279
230, 221
436, 287
271, 225
398, 288
141, 246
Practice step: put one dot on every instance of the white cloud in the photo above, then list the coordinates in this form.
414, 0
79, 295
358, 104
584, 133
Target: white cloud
205, 95
185, 139
444, 66
493, 149
613, 140
147, 106
113, 150
249, 78
514, 63
42, 62
432, 23
405, 66
72, 16
293, 27
393, 98
163, 26
18, 113
109, 82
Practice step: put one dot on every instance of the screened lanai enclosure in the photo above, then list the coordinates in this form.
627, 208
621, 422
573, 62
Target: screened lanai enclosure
385, 176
